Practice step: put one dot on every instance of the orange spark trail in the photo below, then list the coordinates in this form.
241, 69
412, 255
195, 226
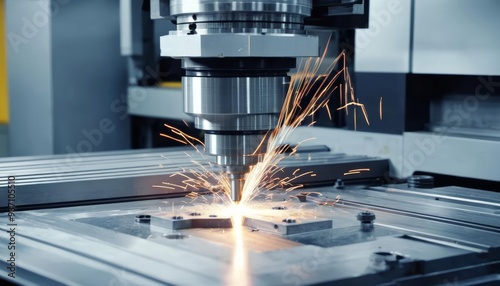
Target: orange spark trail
311, 80
380, 108
293, 114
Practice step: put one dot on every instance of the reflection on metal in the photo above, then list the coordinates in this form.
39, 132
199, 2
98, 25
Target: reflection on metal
129, 175
288, 226
191, 222
413, 239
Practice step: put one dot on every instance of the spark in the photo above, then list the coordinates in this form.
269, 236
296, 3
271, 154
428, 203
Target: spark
165, 187
172, 138
327, 202
360, 170
380, 108
356, 171
173, 185
355, 119
357, 104
183, 137
292, 115
311, 80
328, 111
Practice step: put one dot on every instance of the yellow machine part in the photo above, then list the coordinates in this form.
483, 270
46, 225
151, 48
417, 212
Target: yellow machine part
171, 84
4, 103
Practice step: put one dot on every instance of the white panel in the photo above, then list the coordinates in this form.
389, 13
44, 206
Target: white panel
450, 155
29, 49
156, 102
130, 27
385, 45
355, 143
457, 37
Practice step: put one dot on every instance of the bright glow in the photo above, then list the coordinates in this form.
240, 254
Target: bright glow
239, 270
310, 90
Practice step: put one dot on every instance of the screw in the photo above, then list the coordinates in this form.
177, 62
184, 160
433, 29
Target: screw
194, 214
177, 217
212, 215
366, 217
192, 29
279, 208
289, 220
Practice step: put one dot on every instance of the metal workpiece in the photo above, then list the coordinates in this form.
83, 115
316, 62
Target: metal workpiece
196, 221
289, 226
136, 174
181, 241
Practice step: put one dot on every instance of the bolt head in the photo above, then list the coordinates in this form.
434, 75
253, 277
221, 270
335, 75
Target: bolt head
366, 217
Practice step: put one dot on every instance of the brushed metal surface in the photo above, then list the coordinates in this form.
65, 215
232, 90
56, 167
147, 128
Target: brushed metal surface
128, 175
102, 244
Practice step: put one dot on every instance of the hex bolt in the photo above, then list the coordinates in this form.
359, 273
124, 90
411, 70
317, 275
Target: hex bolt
289, 220
279, 208
366, 217
177, 217
194, 214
